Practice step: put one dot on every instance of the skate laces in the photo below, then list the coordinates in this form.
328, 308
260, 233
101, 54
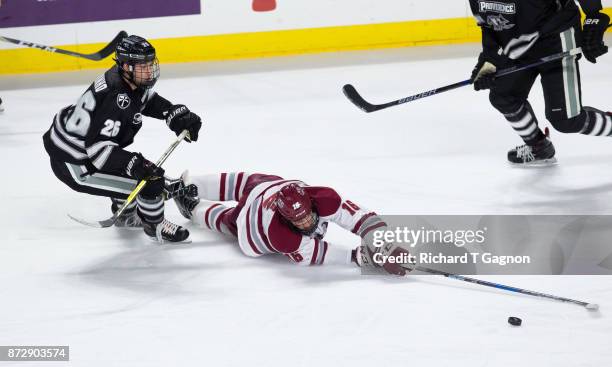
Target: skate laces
168, 227
525, 152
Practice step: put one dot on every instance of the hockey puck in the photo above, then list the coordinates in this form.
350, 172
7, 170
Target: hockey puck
514, 321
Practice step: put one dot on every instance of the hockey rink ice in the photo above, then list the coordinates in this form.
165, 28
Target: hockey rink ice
118, 299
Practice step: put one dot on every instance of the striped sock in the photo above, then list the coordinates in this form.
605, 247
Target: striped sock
151, 210
525, 123
209, 214
597, 123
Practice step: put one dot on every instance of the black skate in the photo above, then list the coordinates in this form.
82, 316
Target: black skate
166, 231
129, 218
186, 204
1, 108
185, 196
174, 187
541, 153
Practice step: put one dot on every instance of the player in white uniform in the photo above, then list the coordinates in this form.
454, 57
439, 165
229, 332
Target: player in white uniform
278, 216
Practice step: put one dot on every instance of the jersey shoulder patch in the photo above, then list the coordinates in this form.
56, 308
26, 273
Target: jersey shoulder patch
326, 200
100, 84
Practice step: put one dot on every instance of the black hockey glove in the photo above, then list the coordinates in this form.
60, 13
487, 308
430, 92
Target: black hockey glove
593, 30
179, 118
142, 169
483, 75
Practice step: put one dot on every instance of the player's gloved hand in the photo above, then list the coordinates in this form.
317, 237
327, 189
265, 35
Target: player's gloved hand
483, 75
179, 118
142, 169
593, 30
367, 256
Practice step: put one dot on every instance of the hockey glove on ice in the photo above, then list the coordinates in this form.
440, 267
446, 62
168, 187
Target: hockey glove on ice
179, 118
483, 75
142, 169
364, 256
593, 30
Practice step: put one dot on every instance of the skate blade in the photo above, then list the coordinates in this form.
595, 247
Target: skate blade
128, 228
536, 164
157, 242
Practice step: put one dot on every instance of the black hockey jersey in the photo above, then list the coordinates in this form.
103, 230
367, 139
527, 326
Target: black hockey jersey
511, 27
105, 119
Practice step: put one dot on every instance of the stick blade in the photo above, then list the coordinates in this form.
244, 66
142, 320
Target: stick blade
100, 224
108, 49
592, 307
351, 93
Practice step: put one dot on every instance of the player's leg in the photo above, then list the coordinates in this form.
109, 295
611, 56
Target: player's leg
148, 207
231, 186
509, 96
205, 212
219, 186
563, 95
215, 216
117, 188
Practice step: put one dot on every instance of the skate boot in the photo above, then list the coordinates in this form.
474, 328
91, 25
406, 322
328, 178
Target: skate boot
1, 108
166, 231
186, 204
185, 196
541, 153
129, 218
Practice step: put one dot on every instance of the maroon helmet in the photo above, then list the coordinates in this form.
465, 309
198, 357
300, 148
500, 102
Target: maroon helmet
293, 202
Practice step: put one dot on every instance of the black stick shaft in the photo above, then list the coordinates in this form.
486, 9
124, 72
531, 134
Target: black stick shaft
97, 56
354, 96
499, 286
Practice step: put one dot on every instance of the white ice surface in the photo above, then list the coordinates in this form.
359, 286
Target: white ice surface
119, 300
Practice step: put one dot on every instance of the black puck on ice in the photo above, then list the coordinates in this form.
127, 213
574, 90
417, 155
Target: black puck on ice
514, 321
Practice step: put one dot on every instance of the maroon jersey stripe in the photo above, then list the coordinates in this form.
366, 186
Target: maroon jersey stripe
208, 213
324, 252
315, 253
360, 222
248, 231
219, 218
237, 189
260, 228
222, 189
372, 227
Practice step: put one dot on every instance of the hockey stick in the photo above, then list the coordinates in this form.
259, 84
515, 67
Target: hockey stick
351, 93
588, 306
102, 54
109, 222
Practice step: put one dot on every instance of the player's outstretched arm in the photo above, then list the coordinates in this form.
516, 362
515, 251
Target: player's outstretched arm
178, 117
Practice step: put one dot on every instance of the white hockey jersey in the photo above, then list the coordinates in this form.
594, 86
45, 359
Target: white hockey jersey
262, 230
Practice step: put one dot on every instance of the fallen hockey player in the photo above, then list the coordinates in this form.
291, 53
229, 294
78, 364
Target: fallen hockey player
289, 217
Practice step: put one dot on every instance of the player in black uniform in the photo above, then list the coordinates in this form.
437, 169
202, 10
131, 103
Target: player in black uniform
522, 31
86, 140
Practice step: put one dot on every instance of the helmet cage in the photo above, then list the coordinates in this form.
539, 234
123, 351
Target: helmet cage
142, 74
